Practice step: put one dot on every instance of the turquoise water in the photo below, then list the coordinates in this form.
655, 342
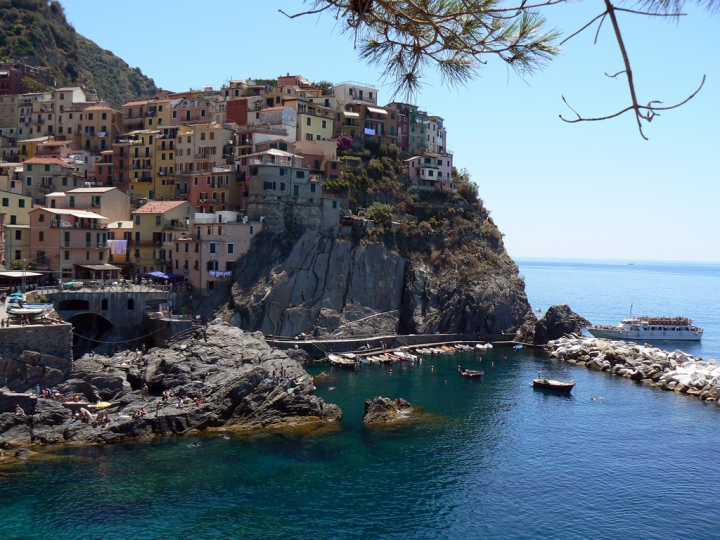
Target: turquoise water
497, 460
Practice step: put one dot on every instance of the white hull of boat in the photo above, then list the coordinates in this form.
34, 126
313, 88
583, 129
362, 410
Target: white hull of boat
647, 335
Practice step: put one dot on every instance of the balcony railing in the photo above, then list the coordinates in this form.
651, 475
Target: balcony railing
77, 225
175, 224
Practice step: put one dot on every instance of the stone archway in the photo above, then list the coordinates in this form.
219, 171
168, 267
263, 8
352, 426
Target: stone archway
88, 330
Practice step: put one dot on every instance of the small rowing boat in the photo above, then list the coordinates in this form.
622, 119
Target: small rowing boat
471, 373
337, 360
545, 383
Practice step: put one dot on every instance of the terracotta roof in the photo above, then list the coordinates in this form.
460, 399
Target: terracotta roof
46, 161
137, 103
56, 143
158, 207
100, 108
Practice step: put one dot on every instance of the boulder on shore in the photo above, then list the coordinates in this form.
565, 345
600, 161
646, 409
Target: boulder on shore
382, 410
557, 322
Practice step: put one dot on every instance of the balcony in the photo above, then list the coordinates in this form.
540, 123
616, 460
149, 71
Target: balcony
77, 225
142, 179
220, 170
175, 225
84, 245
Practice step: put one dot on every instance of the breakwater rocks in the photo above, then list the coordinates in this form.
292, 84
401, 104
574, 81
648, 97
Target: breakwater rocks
673, 371
221, 377
383, 411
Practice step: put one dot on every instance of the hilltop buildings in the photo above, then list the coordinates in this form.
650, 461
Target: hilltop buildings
182, 182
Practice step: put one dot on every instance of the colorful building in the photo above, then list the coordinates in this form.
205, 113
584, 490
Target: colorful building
71, 243
155, 225
207, 253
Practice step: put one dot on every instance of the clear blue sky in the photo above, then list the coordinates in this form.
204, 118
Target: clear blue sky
593, 190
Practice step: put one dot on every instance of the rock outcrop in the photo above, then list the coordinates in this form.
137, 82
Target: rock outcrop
323, 285
382, 411
221, 377
557, 322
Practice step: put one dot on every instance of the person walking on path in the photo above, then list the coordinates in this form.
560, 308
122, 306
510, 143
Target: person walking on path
144, 391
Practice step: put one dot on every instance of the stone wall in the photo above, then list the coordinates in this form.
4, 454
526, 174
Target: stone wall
31, 355
115, 305
280, 214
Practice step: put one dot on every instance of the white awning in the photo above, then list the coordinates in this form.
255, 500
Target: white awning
19, 274
351, 114
376, 111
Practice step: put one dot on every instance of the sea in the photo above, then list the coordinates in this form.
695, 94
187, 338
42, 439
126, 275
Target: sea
490, 458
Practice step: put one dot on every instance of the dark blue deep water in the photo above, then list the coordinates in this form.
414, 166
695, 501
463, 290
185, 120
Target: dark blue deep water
496, 460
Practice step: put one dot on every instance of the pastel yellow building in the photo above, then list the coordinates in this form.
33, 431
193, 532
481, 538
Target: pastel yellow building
155, 225
14, 227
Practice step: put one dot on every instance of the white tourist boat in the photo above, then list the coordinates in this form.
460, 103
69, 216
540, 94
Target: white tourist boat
650, 329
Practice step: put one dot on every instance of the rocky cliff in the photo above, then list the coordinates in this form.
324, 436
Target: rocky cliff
451, 279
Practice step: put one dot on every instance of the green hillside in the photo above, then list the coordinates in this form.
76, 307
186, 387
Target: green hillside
36, 32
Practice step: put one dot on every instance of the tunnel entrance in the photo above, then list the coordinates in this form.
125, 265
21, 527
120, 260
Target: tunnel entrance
89, 329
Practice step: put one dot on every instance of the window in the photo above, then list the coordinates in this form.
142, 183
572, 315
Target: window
174, 114
13, 220
41, 236
252, 229
6, 201
439, 162
308, 137
18, 254
197, 247
324, 124
28, 180
158, 220
42, 217
137, 220
282, 186
312, 188
104, 117
18, 235
202, 136
67, 255
309, 121
334, 204
212, 135
283, 172
333, 165
21, 203
212, 247
202, 113
231, 249
270, 186
29, 167
299, 174
187, 247
101, 256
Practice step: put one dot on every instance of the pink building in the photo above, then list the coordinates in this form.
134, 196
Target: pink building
72, 243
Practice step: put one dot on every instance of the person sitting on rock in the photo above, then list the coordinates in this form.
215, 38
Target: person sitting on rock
19, 410
85, 415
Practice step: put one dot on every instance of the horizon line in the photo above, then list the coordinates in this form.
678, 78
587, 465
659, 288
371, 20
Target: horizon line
625, 260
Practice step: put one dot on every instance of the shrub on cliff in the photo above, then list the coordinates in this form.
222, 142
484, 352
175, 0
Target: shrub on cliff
380, 213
